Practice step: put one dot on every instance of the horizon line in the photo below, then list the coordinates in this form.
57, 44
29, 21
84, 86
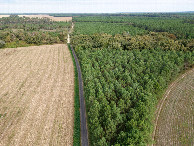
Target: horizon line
99, 13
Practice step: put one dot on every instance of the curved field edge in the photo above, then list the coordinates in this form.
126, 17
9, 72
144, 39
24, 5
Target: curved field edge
76, 134
166, 97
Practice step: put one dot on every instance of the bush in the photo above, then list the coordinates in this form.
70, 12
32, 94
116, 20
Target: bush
2, 44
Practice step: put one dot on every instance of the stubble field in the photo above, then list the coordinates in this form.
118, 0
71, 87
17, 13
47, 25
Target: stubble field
36, 96
175, 122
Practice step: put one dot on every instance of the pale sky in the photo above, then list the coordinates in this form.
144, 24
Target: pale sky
94, 6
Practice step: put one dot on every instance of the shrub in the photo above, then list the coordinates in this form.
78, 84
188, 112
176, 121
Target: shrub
2, 44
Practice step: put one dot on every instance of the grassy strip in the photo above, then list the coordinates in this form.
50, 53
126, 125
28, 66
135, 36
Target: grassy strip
16, 44
76, 135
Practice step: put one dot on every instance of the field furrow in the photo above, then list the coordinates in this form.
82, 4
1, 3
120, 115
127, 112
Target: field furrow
175, 122
37, 96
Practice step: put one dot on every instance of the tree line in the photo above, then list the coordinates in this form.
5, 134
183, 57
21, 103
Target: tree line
23, 31
175, 25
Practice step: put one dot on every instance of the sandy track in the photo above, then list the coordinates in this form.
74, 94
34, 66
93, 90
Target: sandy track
175, 120
36, 96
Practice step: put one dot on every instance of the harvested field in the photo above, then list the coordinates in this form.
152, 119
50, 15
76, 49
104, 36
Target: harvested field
175, 122
1, 16
36, 96
42, 16
61, 18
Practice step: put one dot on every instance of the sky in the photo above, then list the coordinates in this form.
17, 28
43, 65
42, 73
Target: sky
94, 6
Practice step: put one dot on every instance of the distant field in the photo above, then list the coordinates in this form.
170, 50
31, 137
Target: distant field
175, 122
42, 16
1, 16
36, 96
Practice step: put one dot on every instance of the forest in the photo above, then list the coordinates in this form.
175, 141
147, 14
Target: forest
109, 28
18, 31
127, 63
178, 26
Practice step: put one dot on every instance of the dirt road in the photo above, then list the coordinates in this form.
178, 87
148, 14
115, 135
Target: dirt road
83, 119
36, 96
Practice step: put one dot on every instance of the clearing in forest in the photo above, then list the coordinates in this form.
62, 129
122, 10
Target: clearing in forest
1, 16
175, 122
36, 96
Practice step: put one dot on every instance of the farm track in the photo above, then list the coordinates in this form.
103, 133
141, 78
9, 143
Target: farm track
36, 96
174, 121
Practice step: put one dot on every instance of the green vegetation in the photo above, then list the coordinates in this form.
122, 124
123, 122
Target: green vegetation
76, 135
122, 88
109, 28
18, 31
178, 26
2, 44
125, 74
125, 41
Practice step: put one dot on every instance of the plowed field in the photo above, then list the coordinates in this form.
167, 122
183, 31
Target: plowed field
36, 96
176, 119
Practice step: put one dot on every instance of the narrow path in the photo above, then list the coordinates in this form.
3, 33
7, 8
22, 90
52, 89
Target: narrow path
68, 39
168, 91
84, 132
70, 31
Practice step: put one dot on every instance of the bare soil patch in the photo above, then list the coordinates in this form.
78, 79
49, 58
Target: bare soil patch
36, 96
1, 16
175, 118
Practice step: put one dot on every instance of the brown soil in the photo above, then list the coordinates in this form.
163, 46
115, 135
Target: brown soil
36, 96
42, 16
175, 113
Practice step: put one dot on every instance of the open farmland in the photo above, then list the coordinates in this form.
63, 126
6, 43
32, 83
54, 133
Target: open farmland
175, 122
1, 16
43, 16
36, 96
